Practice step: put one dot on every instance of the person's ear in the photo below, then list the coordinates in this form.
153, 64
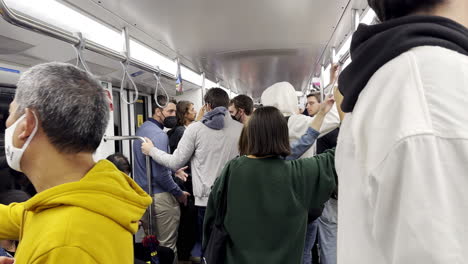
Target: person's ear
27, 125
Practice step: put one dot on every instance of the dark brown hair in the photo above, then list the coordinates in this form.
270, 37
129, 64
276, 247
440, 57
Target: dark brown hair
216, 97
267, 133
121, 162
391, 9
162, 100
243, 102
183, 108
316, 95
243, 142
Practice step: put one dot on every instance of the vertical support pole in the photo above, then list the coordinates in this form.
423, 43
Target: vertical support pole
150, 192
203, 88
355, 19
333, 58
322, 85
126, 43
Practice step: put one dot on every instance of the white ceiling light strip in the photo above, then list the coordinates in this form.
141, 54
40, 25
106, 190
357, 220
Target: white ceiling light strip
147, 55
210, 84
62, 16
191, 76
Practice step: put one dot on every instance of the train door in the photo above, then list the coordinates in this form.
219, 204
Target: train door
139, 112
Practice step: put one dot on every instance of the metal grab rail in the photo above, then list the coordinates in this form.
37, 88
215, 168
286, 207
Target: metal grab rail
148, 175
30, 24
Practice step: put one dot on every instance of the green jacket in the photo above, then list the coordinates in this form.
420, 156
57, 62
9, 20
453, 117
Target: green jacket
267, 204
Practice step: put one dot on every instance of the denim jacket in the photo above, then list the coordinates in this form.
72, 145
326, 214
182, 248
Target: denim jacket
303, 144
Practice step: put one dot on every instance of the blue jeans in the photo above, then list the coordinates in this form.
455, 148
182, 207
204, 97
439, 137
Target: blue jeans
197, 248
327, 230
311, 234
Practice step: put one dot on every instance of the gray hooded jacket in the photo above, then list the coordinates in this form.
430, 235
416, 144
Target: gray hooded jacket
208, 145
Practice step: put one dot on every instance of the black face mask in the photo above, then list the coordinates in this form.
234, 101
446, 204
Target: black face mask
236, 118
170, 122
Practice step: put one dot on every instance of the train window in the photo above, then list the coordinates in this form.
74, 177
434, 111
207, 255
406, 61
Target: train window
117, 120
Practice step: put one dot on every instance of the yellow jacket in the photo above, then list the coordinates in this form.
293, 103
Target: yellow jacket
89, 221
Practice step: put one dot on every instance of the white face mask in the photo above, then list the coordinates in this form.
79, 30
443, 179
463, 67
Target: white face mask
14, 154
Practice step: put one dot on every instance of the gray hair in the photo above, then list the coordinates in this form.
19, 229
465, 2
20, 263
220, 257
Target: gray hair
72, 105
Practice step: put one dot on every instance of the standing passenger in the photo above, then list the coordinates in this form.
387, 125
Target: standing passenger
403, 146
327, 223
208, 145
186, 114
267, 197
313, 103
283, 96
166, 192
240, 108
56, 123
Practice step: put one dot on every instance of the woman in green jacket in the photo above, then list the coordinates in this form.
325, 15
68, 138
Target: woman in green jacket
268, 197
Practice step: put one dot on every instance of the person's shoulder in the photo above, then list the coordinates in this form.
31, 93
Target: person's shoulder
439, 66
179, 129
422, 62
148, 127
232, 124
438, 55
75, 220
300, 119
298, 125
195, 126
238, 160
69, 226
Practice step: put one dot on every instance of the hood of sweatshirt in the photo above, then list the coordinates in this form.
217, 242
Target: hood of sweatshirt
103, 190
283, 96
214, 119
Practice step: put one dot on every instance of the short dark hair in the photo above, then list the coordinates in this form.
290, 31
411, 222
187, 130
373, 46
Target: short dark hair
182, 108
391, 9
243, 102
216, 97
162, 100
267, 133
121, 162
316, 95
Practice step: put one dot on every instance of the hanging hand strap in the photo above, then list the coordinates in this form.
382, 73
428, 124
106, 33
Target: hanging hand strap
126, 74
159, 84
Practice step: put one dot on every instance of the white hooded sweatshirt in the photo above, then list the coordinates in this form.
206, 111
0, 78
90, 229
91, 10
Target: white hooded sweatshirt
283, 96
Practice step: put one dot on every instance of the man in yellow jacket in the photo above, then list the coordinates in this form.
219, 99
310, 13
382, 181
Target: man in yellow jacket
84, 212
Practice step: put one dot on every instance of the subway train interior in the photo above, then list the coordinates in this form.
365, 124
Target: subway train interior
194, 164
242, 47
